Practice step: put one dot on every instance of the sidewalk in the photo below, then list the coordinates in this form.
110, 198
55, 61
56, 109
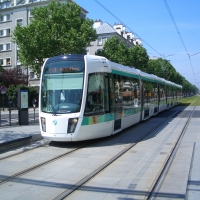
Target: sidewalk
15, 136
6, 111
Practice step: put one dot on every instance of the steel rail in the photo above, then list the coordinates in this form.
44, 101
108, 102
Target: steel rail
74, 187
18, 174
155, 188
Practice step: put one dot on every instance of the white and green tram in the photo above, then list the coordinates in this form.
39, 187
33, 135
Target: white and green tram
84, 97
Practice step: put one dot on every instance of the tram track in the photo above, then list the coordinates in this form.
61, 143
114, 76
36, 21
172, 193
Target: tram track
18, 174
79, 184
155, 188
84, 180
38, 165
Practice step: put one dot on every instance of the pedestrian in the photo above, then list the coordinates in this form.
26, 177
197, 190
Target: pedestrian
34, 102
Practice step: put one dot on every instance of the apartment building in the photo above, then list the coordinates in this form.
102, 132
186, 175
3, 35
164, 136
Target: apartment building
13, 12
105, 31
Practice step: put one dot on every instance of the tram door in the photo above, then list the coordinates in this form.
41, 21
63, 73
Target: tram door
118, 103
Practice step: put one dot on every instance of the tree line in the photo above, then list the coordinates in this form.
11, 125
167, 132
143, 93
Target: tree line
137, 57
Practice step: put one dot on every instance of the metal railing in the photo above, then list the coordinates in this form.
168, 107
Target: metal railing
10, 117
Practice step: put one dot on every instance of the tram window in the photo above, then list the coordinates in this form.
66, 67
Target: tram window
162, 91
62, 93
130, 92
97, 94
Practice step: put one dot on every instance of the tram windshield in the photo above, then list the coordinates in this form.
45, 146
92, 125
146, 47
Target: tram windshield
62, 86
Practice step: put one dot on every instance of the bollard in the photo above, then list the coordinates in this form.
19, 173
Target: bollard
10, 102
34, 114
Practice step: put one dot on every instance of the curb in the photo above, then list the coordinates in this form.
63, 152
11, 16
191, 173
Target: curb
16, 143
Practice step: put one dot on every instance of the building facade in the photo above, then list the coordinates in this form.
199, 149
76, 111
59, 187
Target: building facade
105, 31
13, 12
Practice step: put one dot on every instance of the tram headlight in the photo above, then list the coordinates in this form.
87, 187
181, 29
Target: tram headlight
72, 122
43, 124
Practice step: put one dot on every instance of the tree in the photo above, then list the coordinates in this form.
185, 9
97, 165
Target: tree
13, 77
54, 30
1, 69
1, 74
138, 57
155, 67
114, 50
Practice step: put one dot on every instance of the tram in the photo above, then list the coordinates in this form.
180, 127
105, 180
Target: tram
85, 97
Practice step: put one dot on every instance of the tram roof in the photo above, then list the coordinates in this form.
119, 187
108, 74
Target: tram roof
122, 70
66, 56
147, 77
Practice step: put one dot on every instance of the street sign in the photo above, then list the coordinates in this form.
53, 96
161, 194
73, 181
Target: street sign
3, 89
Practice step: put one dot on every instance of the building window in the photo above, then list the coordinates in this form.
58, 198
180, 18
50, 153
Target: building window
104, 39
18, 55
5, 18
32, 75
8, 46
20, 22
99, 41
8, 61
5, 61
5, 32
5, 47
30, 14
33, 1
5, 5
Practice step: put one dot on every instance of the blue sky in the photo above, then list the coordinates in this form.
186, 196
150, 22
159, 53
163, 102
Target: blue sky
152, 23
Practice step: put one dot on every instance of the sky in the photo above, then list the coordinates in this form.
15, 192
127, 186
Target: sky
168, 28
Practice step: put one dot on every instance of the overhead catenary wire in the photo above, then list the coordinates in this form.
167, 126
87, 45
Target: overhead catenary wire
179, 34
126, 26
143, 39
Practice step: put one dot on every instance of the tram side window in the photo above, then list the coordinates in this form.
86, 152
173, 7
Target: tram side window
162, 91
97, 101
130, 92
148, 91
135, 92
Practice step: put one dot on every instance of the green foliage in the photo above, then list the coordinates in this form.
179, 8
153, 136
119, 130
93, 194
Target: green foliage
1, 69
54, 30
1, 75
155, 67
117, 51
114, 50
191, 101
12, 92
138, 57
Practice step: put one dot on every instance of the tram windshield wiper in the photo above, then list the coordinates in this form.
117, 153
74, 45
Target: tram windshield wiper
54, 113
